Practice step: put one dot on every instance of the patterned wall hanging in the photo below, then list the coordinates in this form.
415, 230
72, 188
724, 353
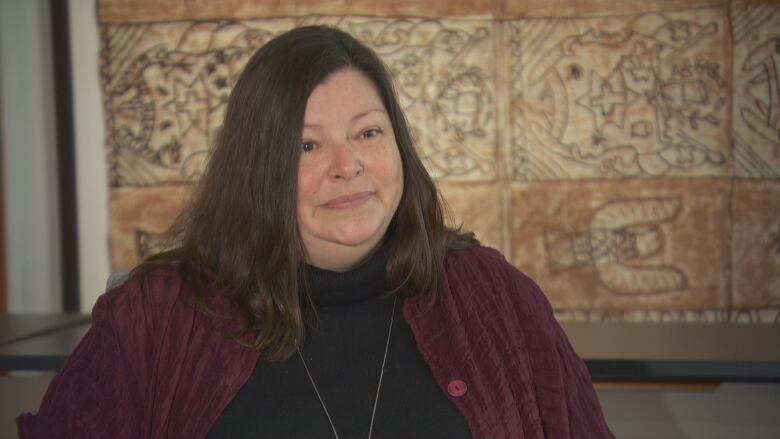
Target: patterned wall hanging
624, 155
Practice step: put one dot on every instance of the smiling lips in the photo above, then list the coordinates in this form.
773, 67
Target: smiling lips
349, 201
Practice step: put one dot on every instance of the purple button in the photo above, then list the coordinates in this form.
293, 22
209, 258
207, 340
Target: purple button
457, 388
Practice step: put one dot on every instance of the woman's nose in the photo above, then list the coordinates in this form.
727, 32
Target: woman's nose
345, 161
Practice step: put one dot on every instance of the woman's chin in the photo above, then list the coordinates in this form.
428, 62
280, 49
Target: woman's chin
359, 235
360, 240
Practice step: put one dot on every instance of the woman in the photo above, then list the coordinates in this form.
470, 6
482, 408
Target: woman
314, 290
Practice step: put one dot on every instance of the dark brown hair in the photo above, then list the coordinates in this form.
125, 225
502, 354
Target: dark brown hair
241, 228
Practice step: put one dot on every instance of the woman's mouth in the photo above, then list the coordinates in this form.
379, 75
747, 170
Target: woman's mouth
349, 201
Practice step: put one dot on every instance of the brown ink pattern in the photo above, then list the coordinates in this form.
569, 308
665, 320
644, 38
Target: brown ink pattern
621, 233
445, 74
166, 87
140, 218
624, 246
754, 315
614, 97
628, 163
756, 91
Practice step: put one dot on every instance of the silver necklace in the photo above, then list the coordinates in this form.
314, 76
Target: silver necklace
378, 386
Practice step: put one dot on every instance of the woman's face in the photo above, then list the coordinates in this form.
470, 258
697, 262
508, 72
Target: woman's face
350, 176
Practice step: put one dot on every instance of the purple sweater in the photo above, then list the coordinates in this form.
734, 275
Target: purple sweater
152, 366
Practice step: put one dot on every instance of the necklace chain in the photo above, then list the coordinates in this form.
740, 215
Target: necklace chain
378, 386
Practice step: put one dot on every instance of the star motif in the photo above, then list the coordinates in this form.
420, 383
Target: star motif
607, 99
190, 105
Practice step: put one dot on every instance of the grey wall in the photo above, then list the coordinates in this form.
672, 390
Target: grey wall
29, 158
733, 411
27, 391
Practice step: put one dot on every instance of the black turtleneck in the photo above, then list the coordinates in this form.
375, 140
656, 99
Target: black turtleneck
344, 348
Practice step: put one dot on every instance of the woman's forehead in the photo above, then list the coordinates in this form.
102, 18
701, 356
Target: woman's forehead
346, 95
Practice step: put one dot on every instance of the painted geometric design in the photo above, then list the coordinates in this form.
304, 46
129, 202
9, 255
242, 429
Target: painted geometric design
638, 245
757, 315
630, 164
613, 240
756, 90
141, 216
143, 11
445, 76
166, 86
633, 96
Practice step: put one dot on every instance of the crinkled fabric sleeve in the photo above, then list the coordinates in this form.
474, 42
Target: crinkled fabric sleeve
582, 409
96, 394
586, 419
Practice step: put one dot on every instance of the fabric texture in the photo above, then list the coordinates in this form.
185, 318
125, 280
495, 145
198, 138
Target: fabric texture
153, 366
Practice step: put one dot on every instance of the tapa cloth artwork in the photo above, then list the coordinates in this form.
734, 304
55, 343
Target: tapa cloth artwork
626, 155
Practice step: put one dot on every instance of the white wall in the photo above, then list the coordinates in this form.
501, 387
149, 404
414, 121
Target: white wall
91, 173
29, 158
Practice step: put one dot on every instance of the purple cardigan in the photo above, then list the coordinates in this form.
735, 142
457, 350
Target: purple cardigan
152, 366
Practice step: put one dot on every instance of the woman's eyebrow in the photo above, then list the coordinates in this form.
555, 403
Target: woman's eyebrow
354, 118
367, 112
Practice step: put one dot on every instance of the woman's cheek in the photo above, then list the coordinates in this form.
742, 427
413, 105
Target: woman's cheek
307, 171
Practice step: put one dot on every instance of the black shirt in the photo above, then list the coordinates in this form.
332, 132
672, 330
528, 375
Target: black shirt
344, 349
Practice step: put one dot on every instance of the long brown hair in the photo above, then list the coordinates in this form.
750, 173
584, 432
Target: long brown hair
240, 227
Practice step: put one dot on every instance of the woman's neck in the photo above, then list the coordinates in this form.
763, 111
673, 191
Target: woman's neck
341, 258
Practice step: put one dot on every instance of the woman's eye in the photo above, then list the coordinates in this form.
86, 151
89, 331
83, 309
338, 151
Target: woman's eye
369, 133
308, 146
